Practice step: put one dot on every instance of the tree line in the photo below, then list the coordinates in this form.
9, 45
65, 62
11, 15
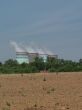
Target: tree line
51, 65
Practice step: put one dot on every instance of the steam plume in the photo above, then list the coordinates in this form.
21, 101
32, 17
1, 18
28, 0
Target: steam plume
16, 47
30, 49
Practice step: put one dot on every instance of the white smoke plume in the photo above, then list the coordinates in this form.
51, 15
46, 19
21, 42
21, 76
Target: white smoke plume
39, 51
29, 49
16, 47
48, 52
32, 48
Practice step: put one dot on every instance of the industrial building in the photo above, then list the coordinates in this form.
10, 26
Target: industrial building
28, 54
22, 57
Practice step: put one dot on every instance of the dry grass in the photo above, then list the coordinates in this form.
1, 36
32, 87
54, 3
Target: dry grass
41, 92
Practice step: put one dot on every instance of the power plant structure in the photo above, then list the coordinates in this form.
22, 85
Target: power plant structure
28, 54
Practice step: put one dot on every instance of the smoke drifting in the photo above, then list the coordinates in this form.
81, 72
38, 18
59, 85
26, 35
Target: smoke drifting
48, 52
30, 49
16, 47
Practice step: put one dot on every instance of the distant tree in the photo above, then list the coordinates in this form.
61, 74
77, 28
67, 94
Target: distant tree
1, 64
24, 65
11, 62
51, 65
39, 63
80, 61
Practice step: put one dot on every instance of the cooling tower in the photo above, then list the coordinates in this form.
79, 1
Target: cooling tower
21, 55
31, 53
27, 54
32, 56
41, 54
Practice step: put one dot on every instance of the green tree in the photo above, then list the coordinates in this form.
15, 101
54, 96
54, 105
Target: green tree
39, 63
11, 63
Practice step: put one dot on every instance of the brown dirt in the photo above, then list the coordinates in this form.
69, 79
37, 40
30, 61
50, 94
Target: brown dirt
42, 91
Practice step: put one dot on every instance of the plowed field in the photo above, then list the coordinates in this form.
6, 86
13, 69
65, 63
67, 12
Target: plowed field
41, 91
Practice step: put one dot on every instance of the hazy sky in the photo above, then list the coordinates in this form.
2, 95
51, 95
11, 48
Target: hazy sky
55, 24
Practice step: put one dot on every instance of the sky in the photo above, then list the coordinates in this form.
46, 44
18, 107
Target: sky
54, 24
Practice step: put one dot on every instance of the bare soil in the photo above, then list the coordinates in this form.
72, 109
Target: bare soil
41, 91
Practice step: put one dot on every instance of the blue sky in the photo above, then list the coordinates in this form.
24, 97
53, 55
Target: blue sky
55, 24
